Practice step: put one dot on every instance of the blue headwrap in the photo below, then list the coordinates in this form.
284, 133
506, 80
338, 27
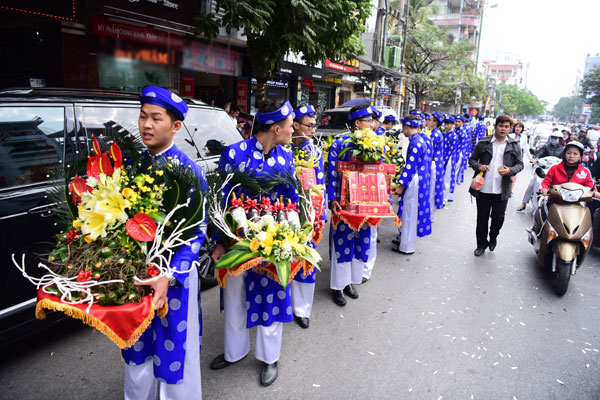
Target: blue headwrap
468, 117
376, 112
389, 118
274, 116
411, 122
363, 112
438, 117
417, 112
165, 99
449, 119
303, 111
459, 117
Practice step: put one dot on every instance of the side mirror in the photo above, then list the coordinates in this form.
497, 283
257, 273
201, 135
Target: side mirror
540, 172
531, 152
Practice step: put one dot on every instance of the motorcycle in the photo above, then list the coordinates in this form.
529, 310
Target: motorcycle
540, 170
563, 239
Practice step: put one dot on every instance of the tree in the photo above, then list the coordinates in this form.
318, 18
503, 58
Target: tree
318, 30
590, 86
472, 86
568, 108
518, 102
428, 54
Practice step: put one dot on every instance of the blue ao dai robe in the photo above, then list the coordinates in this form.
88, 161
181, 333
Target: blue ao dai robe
438, 156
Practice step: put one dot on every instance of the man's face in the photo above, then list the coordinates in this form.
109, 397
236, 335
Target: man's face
408, 130
235, 114
306, 127
364, 123
387, 125
375, 124
502, 129
459, 124
448, 126
284, 131
156, 128
582, 134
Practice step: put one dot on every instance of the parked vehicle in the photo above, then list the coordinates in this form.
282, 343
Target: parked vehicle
334, 122
39, 130
563, 239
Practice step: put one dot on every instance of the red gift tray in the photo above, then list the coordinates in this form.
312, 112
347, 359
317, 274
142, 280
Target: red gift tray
369, 209
361, 183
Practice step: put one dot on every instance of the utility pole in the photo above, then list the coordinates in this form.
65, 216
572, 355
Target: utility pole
404, 39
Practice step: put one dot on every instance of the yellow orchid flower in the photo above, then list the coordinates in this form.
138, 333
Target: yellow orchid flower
254, 244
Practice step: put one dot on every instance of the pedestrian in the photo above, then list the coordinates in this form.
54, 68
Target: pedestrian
252, 299
376, 121
464, 138
234, 112
303, 286
413, 190
499, 158
478, 131
425, 203
584, 139
166, 358
437, 188
451, 157
489, 131
351, 252
388, 123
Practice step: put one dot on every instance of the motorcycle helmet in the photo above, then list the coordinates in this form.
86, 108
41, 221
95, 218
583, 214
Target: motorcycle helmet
576, 144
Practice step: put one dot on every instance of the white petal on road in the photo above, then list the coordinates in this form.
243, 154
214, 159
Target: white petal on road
561, 382
371, 353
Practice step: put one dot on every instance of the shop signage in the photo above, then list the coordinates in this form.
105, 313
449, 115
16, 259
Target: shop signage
382, 90
173, 11
276, 82
147, 55
293, 64
334, 80
344, 65
241, 94
187, 84
64, 10
105, 27
206, 58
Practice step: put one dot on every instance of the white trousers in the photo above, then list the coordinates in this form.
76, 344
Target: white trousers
140, 383
368, 268
303, 294
237, 336
432, 190
410, 210
447, 179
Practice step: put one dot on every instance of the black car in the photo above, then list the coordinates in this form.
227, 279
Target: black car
39, 128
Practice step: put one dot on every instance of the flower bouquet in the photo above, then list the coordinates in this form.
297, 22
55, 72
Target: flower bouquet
393, 155
368, 146
267, 237
124, 224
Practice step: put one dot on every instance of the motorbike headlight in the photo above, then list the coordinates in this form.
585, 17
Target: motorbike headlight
571, 196
552, 234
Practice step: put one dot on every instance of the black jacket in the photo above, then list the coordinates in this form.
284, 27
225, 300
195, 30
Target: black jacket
550, 150
482, 155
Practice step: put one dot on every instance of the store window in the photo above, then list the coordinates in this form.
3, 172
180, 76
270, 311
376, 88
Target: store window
31, 144
319, 97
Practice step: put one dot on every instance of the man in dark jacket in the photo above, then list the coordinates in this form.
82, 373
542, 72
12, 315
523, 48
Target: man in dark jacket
499, 158
553, 148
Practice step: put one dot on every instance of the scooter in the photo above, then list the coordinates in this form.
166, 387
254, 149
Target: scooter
563, 239
540, 170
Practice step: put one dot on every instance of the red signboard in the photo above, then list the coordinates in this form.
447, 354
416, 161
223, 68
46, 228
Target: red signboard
187, 84
57, 9
105, 27
341, 67
242, 94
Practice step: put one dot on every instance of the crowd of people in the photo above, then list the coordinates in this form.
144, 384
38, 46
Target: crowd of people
438, 150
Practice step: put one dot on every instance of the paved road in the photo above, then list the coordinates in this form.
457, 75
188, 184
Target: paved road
440, 324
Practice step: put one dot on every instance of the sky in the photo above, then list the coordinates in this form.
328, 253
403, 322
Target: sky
554, 36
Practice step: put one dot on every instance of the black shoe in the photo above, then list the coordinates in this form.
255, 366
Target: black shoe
378, 241
479, 251
303, 322
395, 250
493, 244
364, 280
338, 297
395, 242
220, 362
269, 374
351, 292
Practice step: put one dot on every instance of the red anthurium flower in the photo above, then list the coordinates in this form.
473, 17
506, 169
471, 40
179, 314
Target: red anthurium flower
115, 155
141, 227
77, 187
92, 167
95, 145
104, 165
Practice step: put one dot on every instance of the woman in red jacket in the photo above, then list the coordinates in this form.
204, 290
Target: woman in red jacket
570, 169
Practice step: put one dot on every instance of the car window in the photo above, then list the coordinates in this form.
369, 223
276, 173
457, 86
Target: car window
206, 133
333, 120
99, 121
31, 143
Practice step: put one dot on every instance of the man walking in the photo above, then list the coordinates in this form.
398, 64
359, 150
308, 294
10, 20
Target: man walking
499, 158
